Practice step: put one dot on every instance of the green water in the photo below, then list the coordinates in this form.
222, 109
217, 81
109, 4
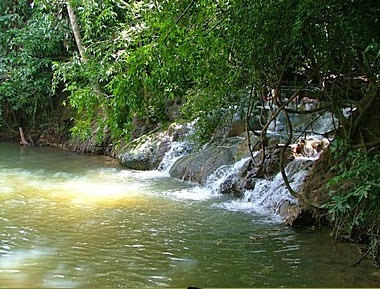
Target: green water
70, 220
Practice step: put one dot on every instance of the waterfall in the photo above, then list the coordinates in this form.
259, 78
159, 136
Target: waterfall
265, 198
213, 184
269, 194
216, 180
177, 150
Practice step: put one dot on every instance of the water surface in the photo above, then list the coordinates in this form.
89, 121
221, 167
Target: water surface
70, 220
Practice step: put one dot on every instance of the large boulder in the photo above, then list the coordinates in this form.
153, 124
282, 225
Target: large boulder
196, 167
146, 156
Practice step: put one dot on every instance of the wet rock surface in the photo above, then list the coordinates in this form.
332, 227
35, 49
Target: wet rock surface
147, 152
198, 166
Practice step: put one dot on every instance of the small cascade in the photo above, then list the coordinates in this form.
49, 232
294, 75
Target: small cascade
224, 174
213, 184
177, 150
268, 195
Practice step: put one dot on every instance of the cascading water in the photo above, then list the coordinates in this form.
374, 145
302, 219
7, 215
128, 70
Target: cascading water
268, 194
265, 199
224, 174
213, 184
177, 150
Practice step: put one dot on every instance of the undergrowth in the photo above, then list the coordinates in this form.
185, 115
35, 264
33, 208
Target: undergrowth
355, 197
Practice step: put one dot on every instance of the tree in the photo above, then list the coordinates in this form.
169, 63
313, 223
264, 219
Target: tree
325, 50
32, 37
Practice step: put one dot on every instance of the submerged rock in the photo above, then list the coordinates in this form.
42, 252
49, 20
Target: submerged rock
295, 215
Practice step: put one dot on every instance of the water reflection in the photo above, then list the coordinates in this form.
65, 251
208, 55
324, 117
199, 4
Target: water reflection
31, 268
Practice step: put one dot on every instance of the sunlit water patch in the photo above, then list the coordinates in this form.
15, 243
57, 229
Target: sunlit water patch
76, 221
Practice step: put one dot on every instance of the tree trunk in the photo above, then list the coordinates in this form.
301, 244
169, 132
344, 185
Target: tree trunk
23, 140
75, 29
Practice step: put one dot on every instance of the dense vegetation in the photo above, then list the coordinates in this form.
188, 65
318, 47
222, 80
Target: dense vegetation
122, 68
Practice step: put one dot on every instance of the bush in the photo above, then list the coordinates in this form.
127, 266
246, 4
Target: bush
355, 195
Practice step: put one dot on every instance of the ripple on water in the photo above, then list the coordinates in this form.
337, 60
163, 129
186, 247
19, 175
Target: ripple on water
68, 222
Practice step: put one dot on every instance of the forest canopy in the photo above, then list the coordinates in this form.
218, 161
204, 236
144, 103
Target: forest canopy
138, 57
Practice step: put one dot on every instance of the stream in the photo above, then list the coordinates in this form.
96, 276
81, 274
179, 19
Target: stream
77, 221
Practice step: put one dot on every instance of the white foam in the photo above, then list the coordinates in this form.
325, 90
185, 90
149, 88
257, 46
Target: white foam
212, 187
267, 195
196, 193
177, 150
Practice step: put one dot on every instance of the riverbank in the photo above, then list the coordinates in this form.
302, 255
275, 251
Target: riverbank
197, 164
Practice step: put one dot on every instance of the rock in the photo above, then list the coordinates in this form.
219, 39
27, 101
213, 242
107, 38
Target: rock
237, 128
289, 212
172, 108
314, 187
271, 164
147, 155
236, 184
248, 175
147, 152
232, 186
198, 166
138, 159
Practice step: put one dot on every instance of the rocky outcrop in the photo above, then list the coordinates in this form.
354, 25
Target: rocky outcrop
312, 194
198, 166
218, 160
147, 152
251, 172
296, 215
314, 187
271, 164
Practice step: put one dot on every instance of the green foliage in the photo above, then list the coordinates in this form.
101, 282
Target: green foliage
31, 38
96, 86
141, 55
355, 192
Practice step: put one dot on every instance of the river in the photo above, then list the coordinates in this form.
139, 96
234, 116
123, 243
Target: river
78, 221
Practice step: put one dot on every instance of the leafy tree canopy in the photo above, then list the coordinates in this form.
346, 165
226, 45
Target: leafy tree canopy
208, 55
31, 38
